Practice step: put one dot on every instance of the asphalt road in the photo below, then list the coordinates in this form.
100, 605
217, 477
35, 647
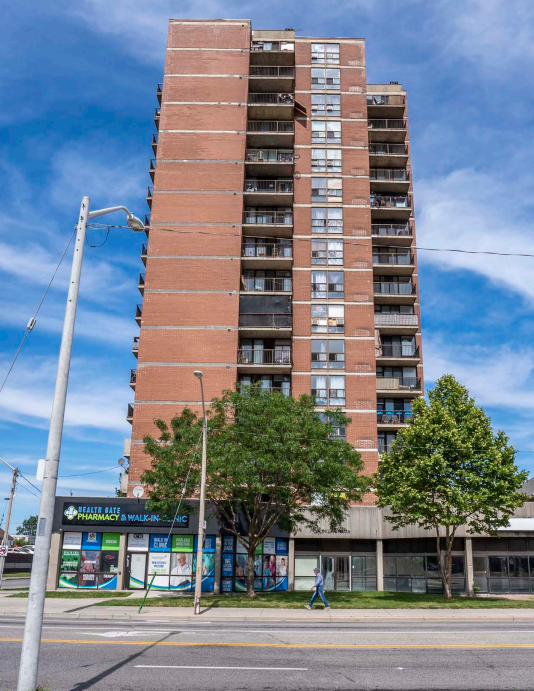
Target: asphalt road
10, 583
165, 656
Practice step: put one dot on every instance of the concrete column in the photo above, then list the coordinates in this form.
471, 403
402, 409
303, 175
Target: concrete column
218, 563
379, 565
291, 565
469, 570
123, 541
54, 562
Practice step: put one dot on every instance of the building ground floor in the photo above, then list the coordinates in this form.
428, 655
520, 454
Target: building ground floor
120, 544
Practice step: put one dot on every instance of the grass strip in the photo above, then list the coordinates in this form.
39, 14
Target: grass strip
77, 595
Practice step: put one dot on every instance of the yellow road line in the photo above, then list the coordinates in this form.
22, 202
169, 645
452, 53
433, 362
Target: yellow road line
351, 646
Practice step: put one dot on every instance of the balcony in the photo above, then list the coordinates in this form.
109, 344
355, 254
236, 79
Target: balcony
129, 414
271, 78
272, 53
393, 418
388, 155
269, 222
268, 192
144, 253
138, 314
159, 93
402, 324
133, 378
270, 133
267, 106
152, 169
387, 352
399, 234
135, 346
155, 144
392, 263
268, 254
263, 325
278, 360
391, 292
391, 206
389, 179
402, 385
141, 283
157, 115
267, 162
387, 129
266, 285
149, 197
385, 105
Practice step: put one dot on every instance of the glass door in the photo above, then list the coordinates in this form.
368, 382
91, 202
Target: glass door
335, 571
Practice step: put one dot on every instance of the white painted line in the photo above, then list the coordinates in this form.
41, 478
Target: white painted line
259, 669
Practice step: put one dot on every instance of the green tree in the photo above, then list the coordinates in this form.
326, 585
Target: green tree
271, 461
449, 469
29, 526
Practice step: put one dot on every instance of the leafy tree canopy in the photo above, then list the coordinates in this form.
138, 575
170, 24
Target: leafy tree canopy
28, 526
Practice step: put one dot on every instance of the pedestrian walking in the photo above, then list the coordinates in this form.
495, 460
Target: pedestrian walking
318, 588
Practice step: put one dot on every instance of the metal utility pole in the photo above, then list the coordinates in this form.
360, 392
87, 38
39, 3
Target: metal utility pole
31, 644
5, 539
202, 511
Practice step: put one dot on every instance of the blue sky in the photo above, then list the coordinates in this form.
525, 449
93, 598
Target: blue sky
78, 92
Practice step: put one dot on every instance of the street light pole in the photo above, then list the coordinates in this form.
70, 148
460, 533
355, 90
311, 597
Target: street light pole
202, 509
5, 539
29, 660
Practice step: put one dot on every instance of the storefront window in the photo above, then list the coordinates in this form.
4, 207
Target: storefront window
89, 560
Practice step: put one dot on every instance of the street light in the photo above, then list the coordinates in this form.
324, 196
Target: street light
29, 660
201, 512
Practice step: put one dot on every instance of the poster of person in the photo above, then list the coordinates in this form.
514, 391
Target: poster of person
269, 572
89, 562
181, 571
281, 572
208, 571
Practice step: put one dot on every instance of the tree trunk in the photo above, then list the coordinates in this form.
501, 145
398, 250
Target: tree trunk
448, 573
250, 571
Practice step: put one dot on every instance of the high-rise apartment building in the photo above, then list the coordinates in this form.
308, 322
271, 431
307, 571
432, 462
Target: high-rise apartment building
280, 239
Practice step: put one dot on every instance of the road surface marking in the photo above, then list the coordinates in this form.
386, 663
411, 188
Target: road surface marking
259, 669
332, 646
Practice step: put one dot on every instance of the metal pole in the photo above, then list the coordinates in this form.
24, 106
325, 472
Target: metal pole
29, 660
5, 539
201, 513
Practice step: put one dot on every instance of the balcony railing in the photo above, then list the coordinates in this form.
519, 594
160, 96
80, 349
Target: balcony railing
138, 313
393, 417
382, 149
281, 126
399, 350
267, 285
272, 46
383, 100
144, 252
269, 156
247, 356
391, 201
396, 319
394, 383
271, 186
135, 346
393, 288
159, 92
155, 143
268, 71
141, 283
387, 124
269, 321
129, 413
271, 249
133, 376
271, 99
268, 217
391, 229
392, 259
389, 174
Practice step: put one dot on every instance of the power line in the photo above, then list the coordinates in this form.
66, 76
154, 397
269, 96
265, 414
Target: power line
27, 490
28, 481
31, 323
93, 472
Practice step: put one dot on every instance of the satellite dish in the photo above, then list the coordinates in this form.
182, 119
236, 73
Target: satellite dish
138, 491
121, 461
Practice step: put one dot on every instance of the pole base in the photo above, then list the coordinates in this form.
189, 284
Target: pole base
197, 607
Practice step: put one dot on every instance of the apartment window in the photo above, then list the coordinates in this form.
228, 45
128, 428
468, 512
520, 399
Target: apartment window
325, 132
325, 52
392, 255
270, 382
327, 189
337, 432
270, 280
327, 220
328, 252
328, 354
328, 389
327, 284
328, 319
326, 160
394, 309
406, 377
326, 105
325, 78
385, 441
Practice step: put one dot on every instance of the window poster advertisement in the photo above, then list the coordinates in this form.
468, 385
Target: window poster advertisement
111, 541
89, 562
227, 565
181, 571
109, 562
227, 585
269, 545
182, 543
269, 572
282, 545
160, 543
158, 564
281, 572
138, 542
242, 571
72, 540
68, 580
137, 570
91, 540
108, 581
70, 558
228, 543
87, 580
240, 547
208, 570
